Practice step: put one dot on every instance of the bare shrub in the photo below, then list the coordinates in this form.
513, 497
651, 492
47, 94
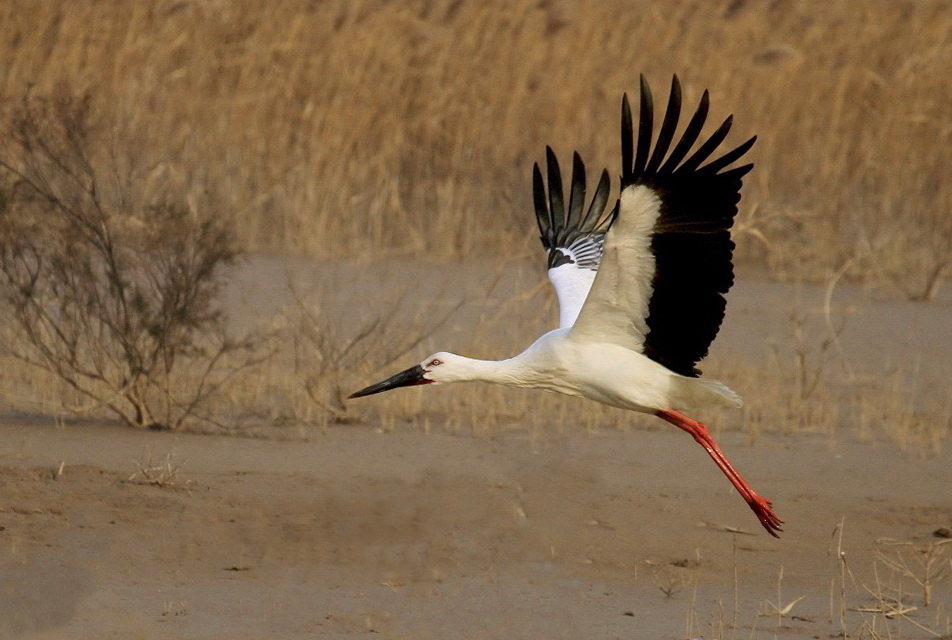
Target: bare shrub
115, 296
327, 354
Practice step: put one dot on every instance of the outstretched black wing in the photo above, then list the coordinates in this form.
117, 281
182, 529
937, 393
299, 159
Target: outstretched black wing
690, 238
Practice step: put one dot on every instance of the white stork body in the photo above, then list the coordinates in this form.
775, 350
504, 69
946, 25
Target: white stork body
641, 289
602, 371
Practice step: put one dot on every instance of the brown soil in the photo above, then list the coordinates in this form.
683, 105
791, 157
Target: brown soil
359, 533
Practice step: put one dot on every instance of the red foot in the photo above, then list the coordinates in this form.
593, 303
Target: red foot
698, 430
762, 509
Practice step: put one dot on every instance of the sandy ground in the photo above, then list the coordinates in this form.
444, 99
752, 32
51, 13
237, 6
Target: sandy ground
407, 535
360, 533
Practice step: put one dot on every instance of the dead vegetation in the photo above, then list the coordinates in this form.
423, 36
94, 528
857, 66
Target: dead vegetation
859, 609
342, 129
112, 295
162, 472
925, 565
321, 359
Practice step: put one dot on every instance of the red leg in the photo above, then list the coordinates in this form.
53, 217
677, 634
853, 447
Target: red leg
698, 430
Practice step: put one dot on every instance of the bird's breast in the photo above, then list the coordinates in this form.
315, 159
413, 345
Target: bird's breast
606, 373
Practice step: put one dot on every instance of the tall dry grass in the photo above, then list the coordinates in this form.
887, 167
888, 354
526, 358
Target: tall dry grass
360, 128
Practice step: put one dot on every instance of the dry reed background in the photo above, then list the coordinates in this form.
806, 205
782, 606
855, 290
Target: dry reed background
345, 128
371, 129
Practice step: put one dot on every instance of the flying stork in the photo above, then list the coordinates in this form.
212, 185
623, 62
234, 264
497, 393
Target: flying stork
640, 289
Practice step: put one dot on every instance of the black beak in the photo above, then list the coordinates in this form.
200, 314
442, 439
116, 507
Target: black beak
410, 377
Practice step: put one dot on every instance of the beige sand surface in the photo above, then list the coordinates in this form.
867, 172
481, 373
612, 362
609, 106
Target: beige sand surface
406, 535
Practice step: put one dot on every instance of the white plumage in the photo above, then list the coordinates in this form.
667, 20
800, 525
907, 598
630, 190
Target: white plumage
640, 289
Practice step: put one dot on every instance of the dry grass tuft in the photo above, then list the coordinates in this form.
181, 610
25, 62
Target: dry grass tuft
162, 473
892, 406
925, 565
857, 610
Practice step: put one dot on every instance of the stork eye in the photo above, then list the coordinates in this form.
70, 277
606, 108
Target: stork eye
435, 362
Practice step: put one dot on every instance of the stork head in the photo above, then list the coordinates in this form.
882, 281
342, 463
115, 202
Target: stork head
440, 367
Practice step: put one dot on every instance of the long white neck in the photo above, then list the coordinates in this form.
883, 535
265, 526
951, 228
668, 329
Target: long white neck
511, 372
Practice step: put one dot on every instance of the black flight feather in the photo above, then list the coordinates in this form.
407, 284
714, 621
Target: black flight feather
691, 239
565, 232
668, 125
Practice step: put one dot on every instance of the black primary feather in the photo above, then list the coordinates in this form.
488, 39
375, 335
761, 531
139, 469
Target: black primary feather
691, 240
569, 235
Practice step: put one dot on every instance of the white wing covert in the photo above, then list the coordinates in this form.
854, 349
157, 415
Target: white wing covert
574, 242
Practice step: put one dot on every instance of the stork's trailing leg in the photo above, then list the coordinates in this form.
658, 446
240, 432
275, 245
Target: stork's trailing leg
698, 430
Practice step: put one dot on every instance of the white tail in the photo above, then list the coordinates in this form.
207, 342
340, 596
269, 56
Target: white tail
704, 390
